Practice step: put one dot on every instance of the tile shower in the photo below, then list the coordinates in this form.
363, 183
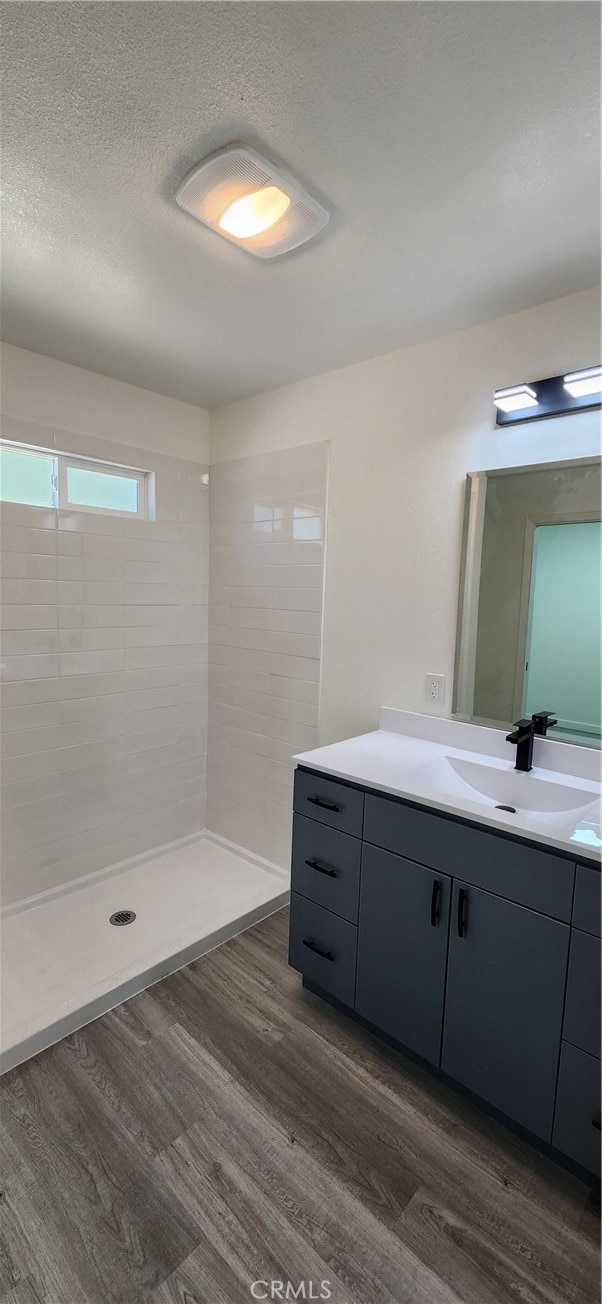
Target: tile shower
267, 525
104, 646
118, 746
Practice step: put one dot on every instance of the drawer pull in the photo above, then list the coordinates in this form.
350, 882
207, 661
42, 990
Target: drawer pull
325, 805
462, 910
321, 869
597, 1124
311, 946
435, 902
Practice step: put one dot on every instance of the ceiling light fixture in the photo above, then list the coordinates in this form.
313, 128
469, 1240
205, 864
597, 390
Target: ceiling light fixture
515, 399
581, 383
249, 201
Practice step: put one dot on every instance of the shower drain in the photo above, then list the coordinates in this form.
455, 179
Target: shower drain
122, 917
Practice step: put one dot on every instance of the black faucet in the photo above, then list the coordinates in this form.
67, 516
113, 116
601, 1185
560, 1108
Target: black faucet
542, 721
523, 735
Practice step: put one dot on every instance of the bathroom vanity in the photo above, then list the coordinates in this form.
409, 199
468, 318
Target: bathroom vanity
467, 935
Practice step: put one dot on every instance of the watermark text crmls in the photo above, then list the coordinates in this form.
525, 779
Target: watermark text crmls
289, 1290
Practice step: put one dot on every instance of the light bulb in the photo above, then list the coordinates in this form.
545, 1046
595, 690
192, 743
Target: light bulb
581, 383
255, 213
515, 398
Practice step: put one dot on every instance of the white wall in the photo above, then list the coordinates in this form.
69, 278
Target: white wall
52, 393
404, 430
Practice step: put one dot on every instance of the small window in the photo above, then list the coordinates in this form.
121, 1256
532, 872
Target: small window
27, 477
95, 487
40, 479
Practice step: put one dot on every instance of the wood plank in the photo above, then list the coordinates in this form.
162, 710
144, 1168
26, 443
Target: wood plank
95, 1200
326, 1118
25, 1292
482, 1270
29, 1254
204, 1278
139, 1019
281, 1197
153, 1107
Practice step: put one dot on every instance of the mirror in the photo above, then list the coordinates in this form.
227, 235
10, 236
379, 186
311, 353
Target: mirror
529, 614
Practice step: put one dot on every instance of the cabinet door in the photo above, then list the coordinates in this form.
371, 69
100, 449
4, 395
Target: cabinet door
504, 1004
577, 1118
402, 948
582, 1008
586, 904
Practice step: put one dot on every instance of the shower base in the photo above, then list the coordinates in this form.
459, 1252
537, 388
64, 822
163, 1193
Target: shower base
64, 963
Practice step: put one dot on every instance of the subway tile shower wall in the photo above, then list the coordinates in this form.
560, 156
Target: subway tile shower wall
267, 523
104, 669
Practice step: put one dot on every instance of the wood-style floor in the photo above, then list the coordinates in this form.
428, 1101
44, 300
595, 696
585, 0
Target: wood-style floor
226, 1128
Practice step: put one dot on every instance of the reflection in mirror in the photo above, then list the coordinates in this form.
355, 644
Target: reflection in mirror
530, 600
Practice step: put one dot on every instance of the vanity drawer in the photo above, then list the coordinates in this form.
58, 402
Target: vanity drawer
326, 867
586, 906
330, 802
582, 1010
323, 947
519, 873
577, 1119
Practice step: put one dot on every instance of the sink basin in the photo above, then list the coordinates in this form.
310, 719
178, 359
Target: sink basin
521, 790
497, 786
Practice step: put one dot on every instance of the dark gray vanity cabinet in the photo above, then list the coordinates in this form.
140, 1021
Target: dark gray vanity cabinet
473, 950
503, 1012
402, 950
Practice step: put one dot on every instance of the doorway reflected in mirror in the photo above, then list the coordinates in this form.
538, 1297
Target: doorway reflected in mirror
530, 599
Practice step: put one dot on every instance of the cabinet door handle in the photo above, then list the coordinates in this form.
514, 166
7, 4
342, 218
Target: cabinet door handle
462, 911
324, 805
322, 869
435, 902
311, 946
597, 1124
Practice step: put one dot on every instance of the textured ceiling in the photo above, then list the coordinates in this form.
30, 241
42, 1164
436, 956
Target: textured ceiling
455, 144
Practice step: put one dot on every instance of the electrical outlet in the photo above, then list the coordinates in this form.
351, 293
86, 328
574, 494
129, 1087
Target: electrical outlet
435, 689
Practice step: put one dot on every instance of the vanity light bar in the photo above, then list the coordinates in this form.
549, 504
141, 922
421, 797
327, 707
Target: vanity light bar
576, 391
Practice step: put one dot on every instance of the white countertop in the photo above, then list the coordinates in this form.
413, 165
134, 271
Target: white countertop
426, 759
